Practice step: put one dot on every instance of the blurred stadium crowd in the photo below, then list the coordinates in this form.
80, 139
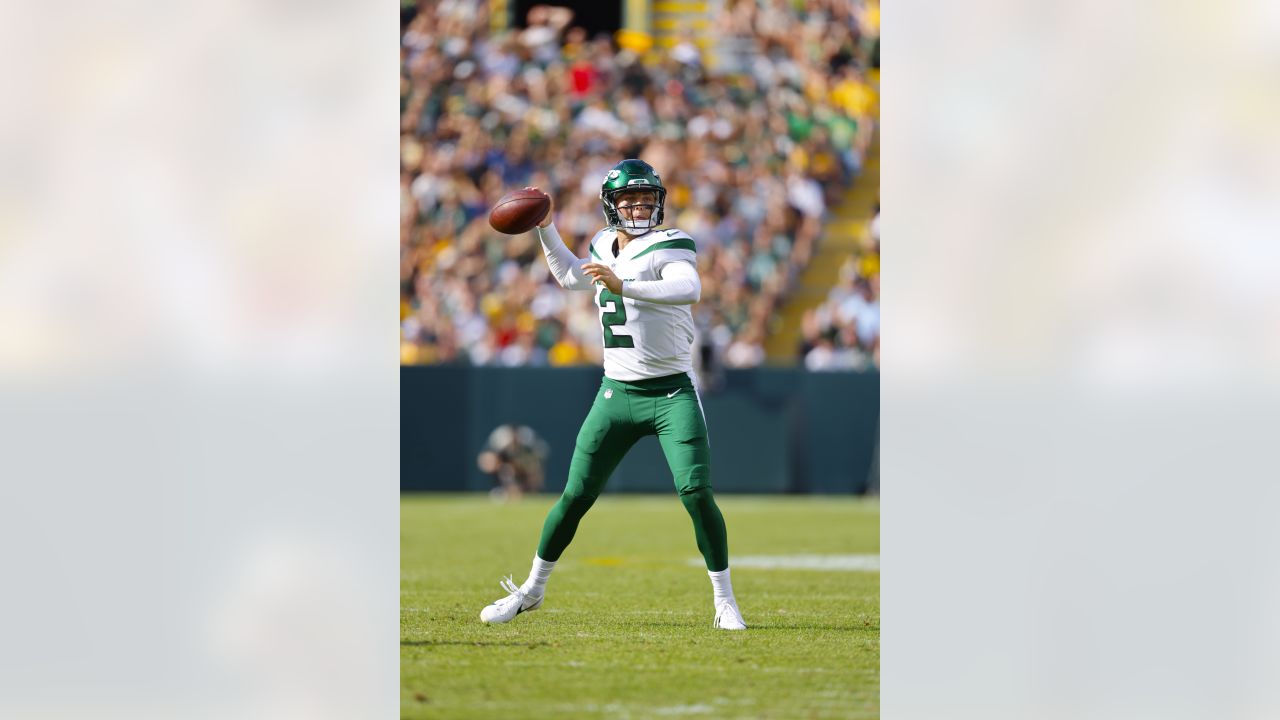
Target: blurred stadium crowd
756, 133
843, 333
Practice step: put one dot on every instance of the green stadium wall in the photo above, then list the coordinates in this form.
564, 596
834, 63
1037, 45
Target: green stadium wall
772, 430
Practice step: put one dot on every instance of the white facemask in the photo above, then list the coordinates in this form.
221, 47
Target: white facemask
639, 224
646, 224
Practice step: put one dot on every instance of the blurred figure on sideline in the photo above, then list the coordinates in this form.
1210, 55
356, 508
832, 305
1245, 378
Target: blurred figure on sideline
514, 458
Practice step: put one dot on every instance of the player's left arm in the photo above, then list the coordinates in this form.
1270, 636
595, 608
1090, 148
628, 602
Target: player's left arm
675, 261
680, 285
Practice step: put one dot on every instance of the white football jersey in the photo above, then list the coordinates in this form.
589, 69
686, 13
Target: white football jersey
644, 339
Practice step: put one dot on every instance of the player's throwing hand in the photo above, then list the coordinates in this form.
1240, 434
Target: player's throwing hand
546, 221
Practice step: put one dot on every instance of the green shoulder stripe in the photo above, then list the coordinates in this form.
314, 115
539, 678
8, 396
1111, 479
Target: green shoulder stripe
594, 254
681, 244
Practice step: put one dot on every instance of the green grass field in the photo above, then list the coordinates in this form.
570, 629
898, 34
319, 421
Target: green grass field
625, 631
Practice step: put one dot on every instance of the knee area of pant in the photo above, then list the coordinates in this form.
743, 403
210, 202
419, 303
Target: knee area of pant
577, 498
695, 497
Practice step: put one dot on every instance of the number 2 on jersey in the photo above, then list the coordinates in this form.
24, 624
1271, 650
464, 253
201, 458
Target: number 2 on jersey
612, 313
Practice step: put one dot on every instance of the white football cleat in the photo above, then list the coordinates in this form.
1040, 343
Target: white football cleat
510, 606
728, 617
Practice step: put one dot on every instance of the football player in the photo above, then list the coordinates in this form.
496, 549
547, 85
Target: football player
645, 279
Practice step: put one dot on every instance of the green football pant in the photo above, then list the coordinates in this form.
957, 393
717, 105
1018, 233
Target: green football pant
624, 412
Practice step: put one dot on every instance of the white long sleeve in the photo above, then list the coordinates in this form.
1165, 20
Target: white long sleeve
679, 286
565, 266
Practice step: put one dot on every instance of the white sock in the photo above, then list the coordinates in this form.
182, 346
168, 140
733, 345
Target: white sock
536, 585
721, 586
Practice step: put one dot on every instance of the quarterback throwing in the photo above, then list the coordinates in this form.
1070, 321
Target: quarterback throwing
645, 278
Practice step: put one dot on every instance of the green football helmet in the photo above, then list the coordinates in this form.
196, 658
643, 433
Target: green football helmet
631, 175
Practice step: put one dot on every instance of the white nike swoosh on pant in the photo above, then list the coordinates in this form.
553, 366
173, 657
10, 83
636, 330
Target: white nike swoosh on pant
673, 394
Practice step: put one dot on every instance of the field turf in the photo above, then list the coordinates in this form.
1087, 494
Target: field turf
625, 631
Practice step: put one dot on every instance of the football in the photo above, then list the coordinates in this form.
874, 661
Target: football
519, 211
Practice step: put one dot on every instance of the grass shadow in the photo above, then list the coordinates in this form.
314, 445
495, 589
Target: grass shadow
508, 643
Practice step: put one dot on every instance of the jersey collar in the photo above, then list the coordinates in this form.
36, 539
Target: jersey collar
630, 250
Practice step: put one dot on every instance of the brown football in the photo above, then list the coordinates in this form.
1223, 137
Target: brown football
519, 211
